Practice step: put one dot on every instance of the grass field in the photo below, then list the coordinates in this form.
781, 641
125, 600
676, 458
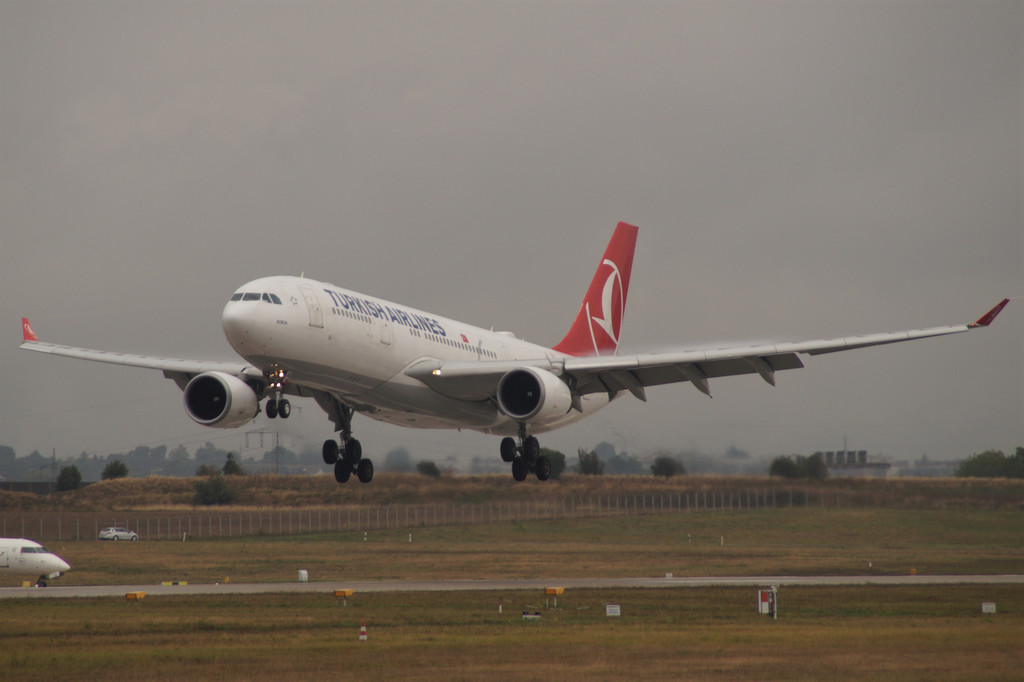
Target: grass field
904, 633
865, 633
755, 542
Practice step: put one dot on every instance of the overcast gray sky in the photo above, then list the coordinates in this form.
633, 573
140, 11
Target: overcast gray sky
797, 169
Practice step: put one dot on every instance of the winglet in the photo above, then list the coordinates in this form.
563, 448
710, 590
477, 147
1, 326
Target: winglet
986, 319
27, 332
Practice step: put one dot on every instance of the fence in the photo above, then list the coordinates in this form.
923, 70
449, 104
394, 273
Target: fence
157, 525
175, 525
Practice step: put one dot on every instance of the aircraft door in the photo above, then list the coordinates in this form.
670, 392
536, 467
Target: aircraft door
316, 314
3, 558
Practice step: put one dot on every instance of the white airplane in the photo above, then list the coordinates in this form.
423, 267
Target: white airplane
25, 557
357, 353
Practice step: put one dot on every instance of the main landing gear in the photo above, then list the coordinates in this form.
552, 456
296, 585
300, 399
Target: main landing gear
347, 454
525, 457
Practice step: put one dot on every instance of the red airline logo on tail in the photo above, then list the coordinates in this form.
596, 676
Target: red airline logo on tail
26, 330
599, 321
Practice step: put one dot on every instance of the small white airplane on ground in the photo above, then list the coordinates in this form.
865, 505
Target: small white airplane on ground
356, 353
25, 557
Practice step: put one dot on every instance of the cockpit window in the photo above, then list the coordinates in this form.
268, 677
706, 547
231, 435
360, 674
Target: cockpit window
251, 296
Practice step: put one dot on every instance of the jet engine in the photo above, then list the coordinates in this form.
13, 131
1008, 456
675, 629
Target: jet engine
533, 395
220, 400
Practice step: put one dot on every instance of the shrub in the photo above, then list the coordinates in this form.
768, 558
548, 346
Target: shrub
667, 466
213, 490
428, 468
69, 478
590, 464
206, 470
557, 460
799, 467
232, 467
114, 469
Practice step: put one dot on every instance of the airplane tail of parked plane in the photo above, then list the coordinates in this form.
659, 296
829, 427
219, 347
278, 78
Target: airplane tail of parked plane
595, 331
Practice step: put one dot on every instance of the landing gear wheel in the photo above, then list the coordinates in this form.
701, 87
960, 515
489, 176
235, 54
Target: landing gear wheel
41, 583
508, 449
542, 468
331, 451
284, 408
271, 408
365, 471
342, 472
353, 452
531, 449
520, 469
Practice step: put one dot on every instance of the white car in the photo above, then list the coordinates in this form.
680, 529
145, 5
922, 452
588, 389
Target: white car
118, 534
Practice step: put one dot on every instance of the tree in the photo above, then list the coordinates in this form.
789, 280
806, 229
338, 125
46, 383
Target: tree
115, 469
398, 460
206, 470
557, 460
783, 466
232, 467
667, 467
428, 468
623, 465
814, 467
988, 464
213, 490
7, 456
589, 463
69, 478
1015, 464
799, 467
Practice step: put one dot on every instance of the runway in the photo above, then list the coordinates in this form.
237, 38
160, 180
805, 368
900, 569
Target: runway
511, 585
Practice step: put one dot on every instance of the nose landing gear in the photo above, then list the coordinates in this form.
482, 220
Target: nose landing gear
276, 405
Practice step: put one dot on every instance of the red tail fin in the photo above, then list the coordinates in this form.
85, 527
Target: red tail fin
26, 331
599, 320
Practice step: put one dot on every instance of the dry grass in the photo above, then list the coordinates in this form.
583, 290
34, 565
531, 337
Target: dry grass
270, 491
852, 633
823, 633
756, 542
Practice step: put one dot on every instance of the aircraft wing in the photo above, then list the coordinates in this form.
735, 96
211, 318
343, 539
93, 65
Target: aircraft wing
181, 371
616, 373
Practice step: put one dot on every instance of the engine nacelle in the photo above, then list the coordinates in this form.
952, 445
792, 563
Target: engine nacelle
533, 395
220, 400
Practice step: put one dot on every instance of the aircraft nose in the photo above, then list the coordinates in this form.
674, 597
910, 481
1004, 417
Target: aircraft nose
62, 565
235, 319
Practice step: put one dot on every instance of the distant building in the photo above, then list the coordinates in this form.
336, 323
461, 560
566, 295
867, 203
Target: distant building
926, 468
853, 463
